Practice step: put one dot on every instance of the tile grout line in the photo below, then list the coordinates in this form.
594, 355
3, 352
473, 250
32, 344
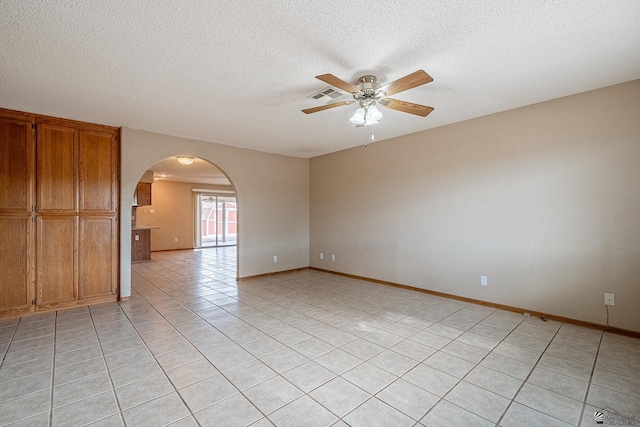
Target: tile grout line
385, 347
363, 361
464, 376
198, 350
399, 377
156, 360
420, 362
104, 360
593, 369
278, 373
528, 376
53, 367
13, 334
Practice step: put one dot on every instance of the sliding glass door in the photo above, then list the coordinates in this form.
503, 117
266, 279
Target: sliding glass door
216, 220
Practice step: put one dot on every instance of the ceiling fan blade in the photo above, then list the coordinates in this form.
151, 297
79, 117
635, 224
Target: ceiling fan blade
415, 79
407, 107
326, 107
339, 83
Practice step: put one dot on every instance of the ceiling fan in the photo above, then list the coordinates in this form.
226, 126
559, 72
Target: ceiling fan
368, 93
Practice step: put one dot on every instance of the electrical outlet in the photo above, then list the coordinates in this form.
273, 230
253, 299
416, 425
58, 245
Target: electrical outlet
321, 255
176, 239
137, 237
275, 258
152, 211
333, 257
609, 299
483, 280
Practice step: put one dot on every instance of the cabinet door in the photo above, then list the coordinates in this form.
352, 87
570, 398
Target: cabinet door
98, 154
56, 170
143, 193
98, 257
16, 258
56, 271
17, 162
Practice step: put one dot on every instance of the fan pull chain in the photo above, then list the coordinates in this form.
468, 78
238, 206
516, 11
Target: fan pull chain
366, 142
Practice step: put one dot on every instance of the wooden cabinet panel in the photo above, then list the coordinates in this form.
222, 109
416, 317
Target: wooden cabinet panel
98, 153
16, 280
56, 170
56, 275
17, 186
140, 245
143, 194
16, 165
97, 256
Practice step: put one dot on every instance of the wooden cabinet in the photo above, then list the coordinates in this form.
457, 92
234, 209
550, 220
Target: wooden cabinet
59, 198
143, 194
140, 245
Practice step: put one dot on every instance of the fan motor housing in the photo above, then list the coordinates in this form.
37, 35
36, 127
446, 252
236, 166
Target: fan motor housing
368, 85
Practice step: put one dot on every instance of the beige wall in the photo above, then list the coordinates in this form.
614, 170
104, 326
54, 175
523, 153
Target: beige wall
544, 200
173, 205
272, 193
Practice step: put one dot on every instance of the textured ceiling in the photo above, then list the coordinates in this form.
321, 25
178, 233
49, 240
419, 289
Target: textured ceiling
239, 72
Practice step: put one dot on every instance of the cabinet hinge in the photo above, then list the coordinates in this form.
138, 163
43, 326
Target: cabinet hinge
33, 219
33, 302
33, 125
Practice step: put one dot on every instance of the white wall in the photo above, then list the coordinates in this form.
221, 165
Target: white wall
272, 193
544, 200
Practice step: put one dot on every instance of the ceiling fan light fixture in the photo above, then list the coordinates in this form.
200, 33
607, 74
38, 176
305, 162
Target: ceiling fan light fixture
358, 117
373, 114
366, 116
185, 160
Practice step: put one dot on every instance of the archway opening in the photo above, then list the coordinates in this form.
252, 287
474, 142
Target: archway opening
168, 213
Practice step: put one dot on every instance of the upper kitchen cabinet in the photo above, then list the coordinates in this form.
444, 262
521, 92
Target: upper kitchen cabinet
143, 194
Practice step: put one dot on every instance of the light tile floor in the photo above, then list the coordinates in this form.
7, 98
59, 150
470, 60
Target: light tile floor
193, 347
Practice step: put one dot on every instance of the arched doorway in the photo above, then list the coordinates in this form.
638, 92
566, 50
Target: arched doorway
171, 211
